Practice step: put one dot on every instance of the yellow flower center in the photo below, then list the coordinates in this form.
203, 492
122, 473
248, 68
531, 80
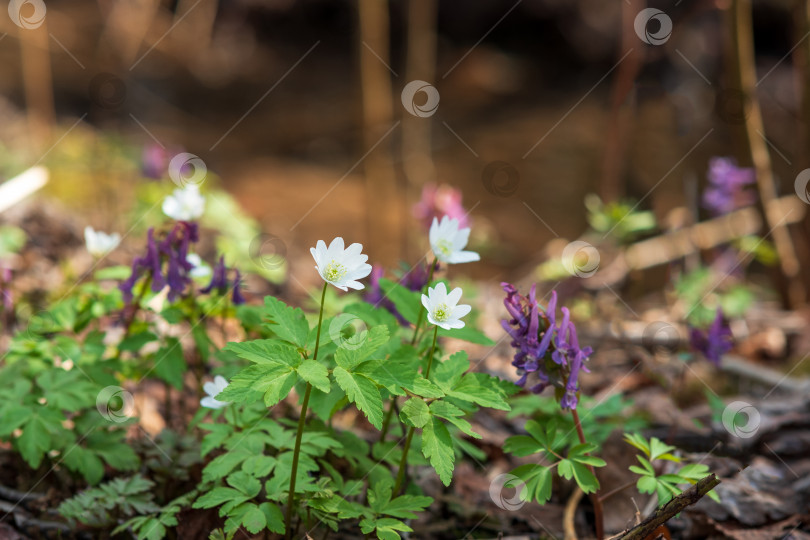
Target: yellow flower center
334, 271
445, 247
441, 312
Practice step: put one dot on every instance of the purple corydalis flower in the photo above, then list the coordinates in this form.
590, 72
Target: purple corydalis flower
726, 190
544, 350
220, 283
713, 343
219, 278
173, 251
440, 201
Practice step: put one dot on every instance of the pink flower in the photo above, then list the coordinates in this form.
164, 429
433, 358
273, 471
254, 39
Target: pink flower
440, 201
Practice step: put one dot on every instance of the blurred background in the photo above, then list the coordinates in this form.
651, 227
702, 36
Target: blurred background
302, 111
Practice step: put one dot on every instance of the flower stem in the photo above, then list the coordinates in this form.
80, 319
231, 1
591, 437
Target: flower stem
300, 433
595, 500
403, 462
391, 406
421, 308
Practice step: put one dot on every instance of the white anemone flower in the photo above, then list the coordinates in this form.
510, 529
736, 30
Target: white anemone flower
100, 243
448, 241
199, 268
442, 307
185, 204
212, 389
341, 267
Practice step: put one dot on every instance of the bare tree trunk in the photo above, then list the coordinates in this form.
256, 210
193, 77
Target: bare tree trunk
620, 110
37, 81
742, 50
382, 193
417, 158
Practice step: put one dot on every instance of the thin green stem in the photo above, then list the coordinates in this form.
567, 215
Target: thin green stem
403, 462
387, 419
300, 433
595, 500
389, 415
432, 351
421, 308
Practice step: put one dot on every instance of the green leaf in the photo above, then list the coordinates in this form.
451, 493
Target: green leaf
170, 366
315, 374
34, 441
266, 351
522, 445
274, 380
415, 413
481, 389
453, 414
253, 519
350, 356
218, 496
362, 392
286, 322
469, 334
437, 447
273, 517
659, 450
407, 302
646, 484
448, 373
538, 480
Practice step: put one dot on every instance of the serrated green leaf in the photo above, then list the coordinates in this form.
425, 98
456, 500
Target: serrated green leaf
253, 519
362, 392
266, 351
273, 517
437, 447
451, 413
415, 413
350, 356
447, 374
315, 374
286, 322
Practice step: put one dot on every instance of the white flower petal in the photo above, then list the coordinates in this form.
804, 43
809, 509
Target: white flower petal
463, 257
210, 388
454, 296
461, 310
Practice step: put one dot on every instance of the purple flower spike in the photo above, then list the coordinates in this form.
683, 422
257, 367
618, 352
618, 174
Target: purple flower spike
726, 190
219, 278
714, 342
237, 297
544, 351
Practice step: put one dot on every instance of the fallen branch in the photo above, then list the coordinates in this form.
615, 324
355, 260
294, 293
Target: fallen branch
666, 512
